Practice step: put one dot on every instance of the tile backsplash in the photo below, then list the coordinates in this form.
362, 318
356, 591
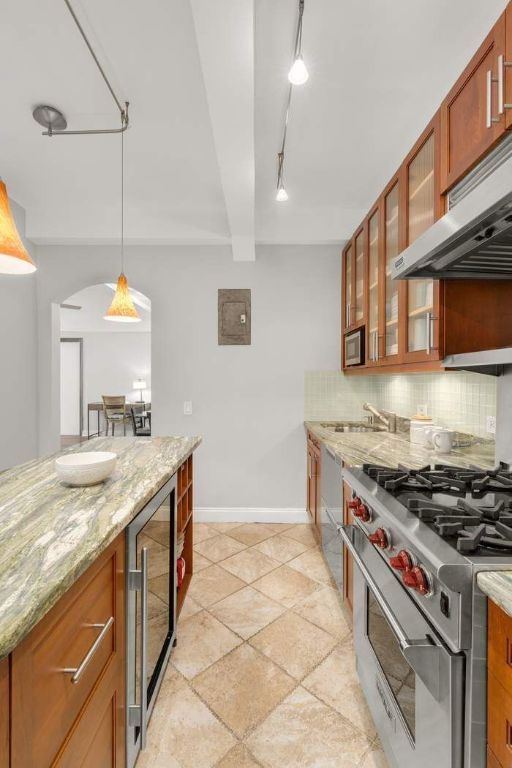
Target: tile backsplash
458, 400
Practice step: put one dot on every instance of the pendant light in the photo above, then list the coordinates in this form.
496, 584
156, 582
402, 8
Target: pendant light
298, 74
122, 309
14, 257
281, 194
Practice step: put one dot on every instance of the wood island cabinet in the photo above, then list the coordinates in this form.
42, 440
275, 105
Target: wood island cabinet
62, 701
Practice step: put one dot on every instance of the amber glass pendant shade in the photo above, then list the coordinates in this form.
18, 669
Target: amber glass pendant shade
14, 258
122, 309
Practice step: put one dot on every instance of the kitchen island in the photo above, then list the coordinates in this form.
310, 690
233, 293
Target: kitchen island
63, 581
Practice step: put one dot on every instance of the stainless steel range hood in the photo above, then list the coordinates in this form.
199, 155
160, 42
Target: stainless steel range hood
491, 361
474, 239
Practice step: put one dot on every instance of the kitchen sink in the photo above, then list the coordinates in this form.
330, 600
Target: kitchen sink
352, 426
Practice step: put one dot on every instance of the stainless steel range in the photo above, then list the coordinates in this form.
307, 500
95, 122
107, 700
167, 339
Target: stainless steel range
419, 619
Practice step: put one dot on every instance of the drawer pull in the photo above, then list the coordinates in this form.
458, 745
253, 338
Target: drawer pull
78, 671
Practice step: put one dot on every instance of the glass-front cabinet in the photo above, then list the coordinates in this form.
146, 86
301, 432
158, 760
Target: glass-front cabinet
359, 278
391, 287
374, 333
348, 280
422, 209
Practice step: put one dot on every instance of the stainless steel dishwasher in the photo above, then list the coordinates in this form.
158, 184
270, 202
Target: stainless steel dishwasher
331, 513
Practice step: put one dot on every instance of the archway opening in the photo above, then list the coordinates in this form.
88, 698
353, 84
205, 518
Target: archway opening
105, 367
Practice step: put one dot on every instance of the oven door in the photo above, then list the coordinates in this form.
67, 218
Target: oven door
413, 684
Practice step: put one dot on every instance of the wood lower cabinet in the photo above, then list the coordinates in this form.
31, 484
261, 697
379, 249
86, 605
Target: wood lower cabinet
499, 688
185, 524
62, 690
313, 481
348, 565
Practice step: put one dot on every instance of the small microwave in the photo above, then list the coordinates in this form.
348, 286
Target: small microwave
354, 347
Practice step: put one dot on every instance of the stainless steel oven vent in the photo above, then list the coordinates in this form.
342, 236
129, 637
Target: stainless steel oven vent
474, 239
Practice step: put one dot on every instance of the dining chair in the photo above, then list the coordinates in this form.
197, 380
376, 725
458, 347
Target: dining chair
139, 429
114, 409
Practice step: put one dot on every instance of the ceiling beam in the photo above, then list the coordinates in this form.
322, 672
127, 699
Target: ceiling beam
225, 39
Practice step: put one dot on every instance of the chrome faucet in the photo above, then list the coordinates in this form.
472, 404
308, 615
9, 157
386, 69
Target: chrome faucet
389, 421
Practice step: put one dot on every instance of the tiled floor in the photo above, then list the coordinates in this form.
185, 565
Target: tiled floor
263, 673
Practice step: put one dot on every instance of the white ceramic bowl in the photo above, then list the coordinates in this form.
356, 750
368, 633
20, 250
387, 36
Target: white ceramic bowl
87, 468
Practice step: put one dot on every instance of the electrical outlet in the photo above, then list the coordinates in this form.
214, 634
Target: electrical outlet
491, 425
423, 410
187, 407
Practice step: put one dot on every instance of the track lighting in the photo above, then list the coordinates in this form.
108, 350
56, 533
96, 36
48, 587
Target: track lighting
298, 73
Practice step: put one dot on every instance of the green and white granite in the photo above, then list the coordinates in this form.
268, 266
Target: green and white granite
51, 533
498, 586
356, 448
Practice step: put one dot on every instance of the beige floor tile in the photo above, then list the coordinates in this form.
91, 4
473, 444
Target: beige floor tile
280, 548
219, 548
293, 643
202, 532
304, 733
252, 533
375, 757
247, 611
303, 533
183, 733
213, 584
202, 640
335, 681
279, 527
224, 527
242, 688
200, 562
312, 564
158, 530
323, 608
286, 585
249, 565
238, 757
189, 608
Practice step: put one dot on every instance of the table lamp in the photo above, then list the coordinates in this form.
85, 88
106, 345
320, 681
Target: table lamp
140, 384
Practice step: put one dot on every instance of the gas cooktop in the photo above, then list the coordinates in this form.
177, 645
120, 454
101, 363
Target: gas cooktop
470, 508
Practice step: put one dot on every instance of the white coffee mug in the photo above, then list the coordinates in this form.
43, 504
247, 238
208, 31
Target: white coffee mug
443, 440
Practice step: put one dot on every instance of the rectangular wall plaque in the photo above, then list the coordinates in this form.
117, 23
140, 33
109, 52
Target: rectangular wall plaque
234, 310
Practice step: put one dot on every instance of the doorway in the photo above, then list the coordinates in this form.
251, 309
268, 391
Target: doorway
71, 391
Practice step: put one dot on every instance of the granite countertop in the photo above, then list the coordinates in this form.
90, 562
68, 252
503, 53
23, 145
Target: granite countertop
497, 585
51, 533
356, 448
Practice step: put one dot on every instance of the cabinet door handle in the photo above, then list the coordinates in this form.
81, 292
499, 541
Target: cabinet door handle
489, 119
502, 65
77, 672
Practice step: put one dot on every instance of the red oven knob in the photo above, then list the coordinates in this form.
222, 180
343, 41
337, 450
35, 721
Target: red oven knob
379, 538
363, 513
354, 503
418, 579
402, 561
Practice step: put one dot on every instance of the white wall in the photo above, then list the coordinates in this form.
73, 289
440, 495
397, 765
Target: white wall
18, 362
248, 401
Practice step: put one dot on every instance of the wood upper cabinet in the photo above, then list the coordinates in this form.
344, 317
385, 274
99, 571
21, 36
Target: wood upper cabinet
359, 278
348, 287
472, 116
421, 317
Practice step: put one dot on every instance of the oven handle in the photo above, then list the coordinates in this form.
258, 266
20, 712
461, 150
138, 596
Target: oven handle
423, 656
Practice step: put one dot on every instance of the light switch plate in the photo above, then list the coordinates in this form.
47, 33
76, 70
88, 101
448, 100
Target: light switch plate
491, 425
187, 407
423, 410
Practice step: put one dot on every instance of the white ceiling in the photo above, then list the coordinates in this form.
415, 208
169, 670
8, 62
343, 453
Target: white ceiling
207, 85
